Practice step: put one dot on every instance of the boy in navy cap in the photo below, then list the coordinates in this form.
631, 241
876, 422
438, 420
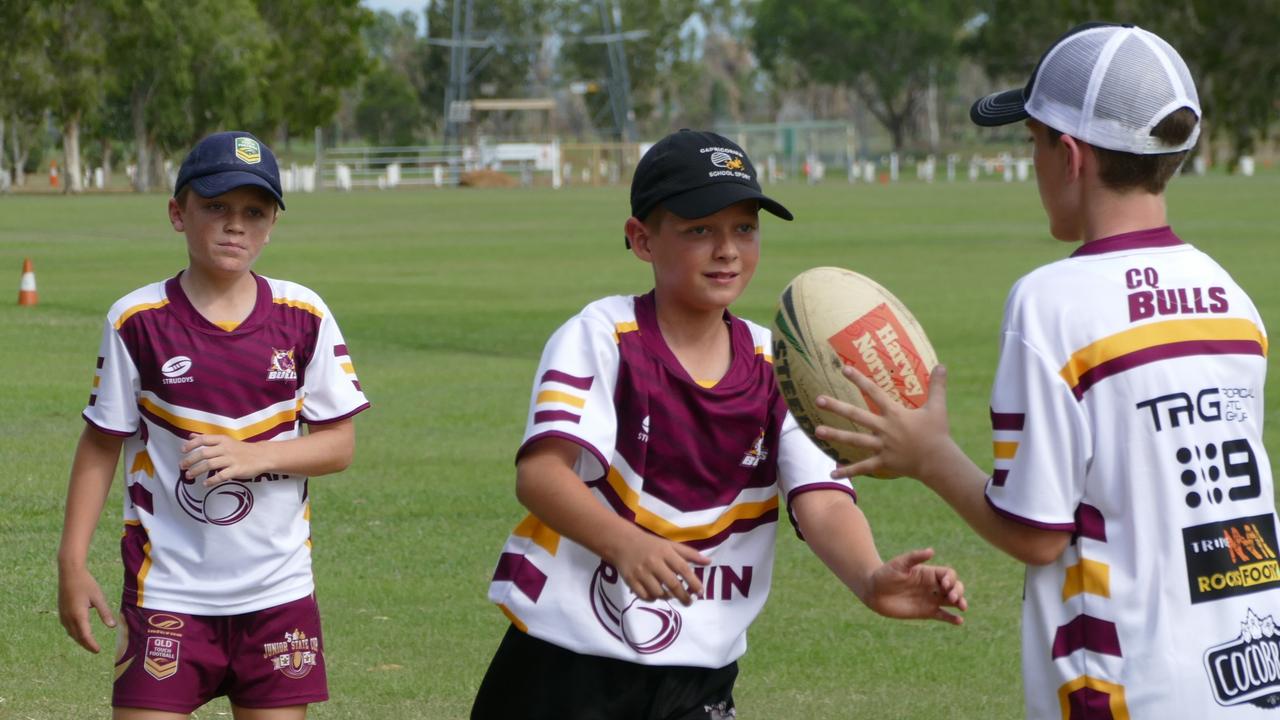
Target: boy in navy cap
656, 454
204, 381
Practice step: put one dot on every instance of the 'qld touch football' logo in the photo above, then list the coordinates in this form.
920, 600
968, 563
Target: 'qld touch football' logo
646, 627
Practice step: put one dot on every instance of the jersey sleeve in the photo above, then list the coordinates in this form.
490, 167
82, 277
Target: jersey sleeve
113, 402
802, 467
1039, 440
330, 390
572, 394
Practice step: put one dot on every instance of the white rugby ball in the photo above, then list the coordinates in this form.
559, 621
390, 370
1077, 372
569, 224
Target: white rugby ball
829, 317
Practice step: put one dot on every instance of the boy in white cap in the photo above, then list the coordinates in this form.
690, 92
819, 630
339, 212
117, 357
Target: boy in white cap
1126, 414
204, 382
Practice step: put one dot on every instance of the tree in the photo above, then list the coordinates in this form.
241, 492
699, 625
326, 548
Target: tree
889, 53
1228, 47
316, 51
24, 87
75, 49
388, 112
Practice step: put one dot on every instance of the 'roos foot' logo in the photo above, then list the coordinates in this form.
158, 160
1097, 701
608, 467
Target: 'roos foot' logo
1247, 669
646, 627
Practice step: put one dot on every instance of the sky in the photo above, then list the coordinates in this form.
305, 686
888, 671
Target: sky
398, 6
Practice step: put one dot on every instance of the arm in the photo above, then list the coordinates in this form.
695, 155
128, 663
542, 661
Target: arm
838, 533
652, 567
918, 443
92, 471
323, 450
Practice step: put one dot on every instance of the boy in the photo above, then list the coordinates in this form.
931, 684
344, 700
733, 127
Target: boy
196, 374
1126, 414
656, 449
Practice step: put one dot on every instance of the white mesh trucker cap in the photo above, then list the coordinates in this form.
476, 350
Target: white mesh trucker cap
1105, 84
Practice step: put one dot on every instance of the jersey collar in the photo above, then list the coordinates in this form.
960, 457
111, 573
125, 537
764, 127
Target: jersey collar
1136, 240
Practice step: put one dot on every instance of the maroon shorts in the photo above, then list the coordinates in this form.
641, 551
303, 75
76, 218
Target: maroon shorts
177, 662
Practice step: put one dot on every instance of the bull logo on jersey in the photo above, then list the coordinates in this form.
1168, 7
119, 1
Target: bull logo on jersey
225, 504
282, 365
756, 454
295, 656
1246, 669
645, 627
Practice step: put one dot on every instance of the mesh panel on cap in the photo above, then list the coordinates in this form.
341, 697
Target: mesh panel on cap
1135, 90
1110, 86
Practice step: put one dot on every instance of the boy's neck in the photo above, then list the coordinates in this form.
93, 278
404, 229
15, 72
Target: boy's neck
220, 298
1108, 213
699, 339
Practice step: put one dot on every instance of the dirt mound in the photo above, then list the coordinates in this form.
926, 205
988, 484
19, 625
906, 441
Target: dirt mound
487, 179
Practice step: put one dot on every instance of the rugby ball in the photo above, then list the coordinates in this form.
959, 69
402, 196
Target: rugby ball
829, 317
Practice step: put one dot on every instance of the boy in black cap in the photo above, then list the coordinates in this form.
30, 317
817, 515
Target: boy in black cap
656, 453
203, 381
1126, 414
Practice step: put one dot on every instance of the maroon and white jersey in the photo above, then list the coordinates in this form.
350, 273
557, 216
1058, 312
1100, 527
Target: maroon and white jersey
165, 373
1127, 409
704, 466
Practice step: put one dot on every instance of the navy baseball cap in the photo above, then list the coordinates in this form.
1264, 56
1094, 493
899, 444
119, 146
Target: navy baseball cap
225, 161
694, 174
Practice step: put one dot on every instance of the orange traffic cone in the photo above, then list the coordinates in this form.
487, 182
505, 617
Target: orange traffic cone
27, 289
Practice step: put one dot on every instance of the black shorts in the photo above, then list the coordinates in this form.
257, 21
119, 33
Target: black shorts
531, 679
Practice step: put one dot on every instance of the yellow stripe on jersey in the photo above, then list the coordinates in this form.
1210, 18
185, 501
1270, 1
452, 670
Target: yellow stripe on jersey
560, 397
139, 308
767, 357
1004, 450
299, 305
97, 380
512, 617
142, 463
669, 530
349, 367
1114, 692
1154, 335
707, 383
623, 328
227, 325
546, 538
206, 428
1087, 576
142, 571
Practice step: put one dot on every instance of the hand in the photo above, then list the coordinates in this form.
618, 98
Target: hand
904, 588
902, 441
225, 457
77, 592
658, 569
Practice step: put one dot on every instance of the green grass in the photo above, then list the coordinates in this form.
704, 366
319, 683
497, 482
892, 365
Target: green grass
445, 298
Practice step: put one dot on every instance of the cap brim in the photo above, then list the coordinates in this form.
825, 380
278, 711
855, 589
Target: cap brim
224, 182
711, 199
1000, 108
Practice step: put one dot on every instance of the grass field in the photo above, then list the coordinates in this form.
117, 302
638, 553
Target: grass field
445, 298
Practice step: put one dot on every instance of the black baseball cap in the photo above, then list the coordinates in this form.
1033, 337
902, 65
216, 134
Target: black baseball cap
225, 161
694, 174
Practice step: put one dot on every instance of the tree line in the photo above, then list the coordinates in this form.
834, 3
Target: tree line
136, 81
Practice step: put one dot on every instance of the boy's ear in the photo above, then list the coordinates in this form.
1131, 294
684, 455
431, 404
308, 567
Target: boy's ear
638, 236
1075, 150
175, 215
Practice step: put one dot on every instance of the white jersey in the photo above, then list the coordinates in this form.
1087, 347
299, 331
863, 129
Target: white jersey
165, 373
700, 465
1127, 409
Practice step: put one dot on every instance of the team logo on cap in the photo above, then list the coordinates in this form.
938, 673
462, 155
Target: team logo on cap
726, 161
247, 150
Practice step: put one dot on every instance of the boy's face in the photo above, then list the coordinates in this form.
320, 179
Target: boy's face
225, 233
1057, 182
702, 264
